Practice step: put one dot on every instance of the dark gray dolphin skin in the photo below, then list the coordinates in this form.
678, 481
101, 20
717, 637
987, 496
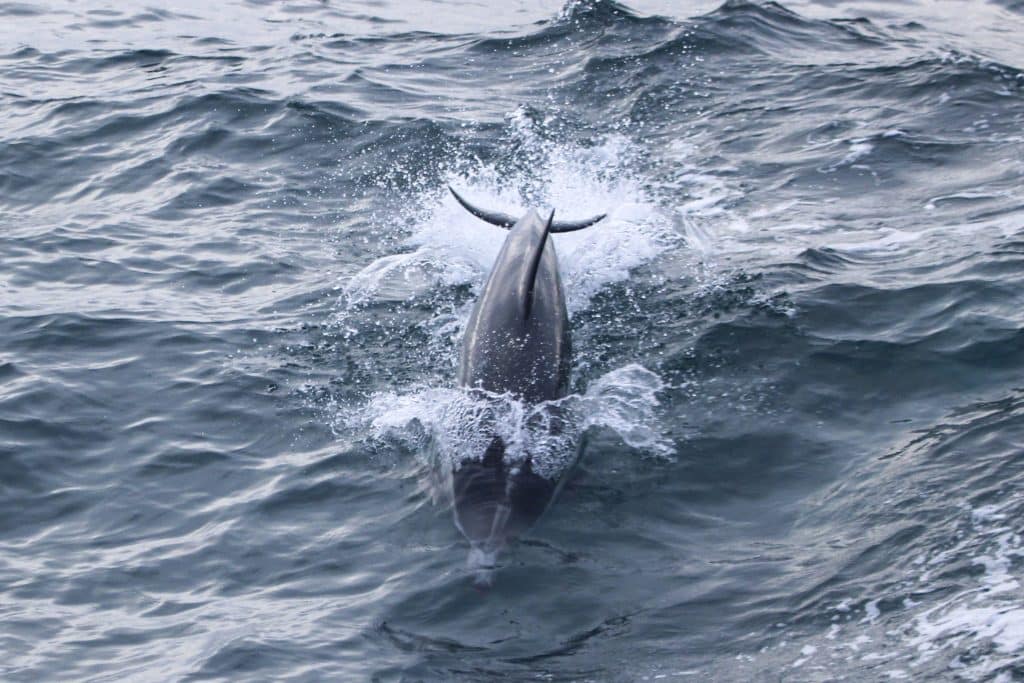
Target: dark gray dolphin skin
516, 342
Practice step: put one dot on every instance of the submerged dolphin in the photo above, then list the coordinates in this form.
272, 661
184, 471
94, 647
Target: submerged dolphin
516, 342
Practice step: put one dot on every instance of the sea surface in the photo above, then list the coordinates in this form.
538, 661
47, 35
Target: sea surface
233, 286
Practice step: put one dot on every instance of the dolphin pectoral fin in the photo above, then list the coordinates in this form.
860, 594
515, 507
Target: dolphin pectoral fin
529, 284
571, 226
502, 220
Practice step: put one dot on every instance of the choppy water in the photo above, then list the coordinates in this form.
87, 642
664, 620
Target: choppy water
231, 289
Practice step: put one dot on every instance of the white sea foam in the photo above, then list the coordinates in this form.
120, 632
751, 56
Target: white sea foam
450, 425
975, 633
988, 616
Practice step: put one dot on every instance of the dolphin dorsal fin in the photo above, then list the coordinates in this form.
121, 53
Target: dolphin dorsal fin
530, 276
503, 220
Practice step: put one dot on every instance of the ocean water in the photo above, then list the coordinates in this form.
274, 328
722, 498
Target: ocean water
232, 288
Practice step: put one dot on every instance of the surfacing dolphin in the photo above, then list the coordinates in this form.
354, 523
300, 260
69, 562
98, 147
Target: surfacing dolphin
516, 342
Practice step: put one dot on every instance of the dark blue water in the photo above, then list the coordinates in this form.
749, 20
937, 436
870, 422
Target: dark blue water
232, 289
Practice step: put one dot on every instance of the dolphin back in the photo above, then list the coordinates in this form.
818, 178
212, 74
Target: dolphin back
517, 338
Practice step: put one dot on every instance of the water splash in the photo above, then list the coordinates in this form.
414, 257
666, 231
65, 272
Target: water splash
446, 256
447, 247
447, 426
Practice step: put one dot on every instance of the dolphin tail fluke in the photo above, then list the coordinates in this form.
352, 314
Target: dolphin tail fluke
572, 226
503, 220
493, 217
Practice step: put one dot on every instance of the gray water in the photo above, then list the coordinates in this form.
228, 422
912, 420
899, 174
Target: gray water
232, 288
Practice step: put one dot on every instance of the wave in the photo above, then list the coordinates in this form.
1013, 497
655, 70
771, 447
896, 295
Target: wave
935, 584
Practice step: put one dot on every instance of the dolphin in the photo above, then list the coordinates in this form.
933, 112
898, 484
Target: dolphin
516, 343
